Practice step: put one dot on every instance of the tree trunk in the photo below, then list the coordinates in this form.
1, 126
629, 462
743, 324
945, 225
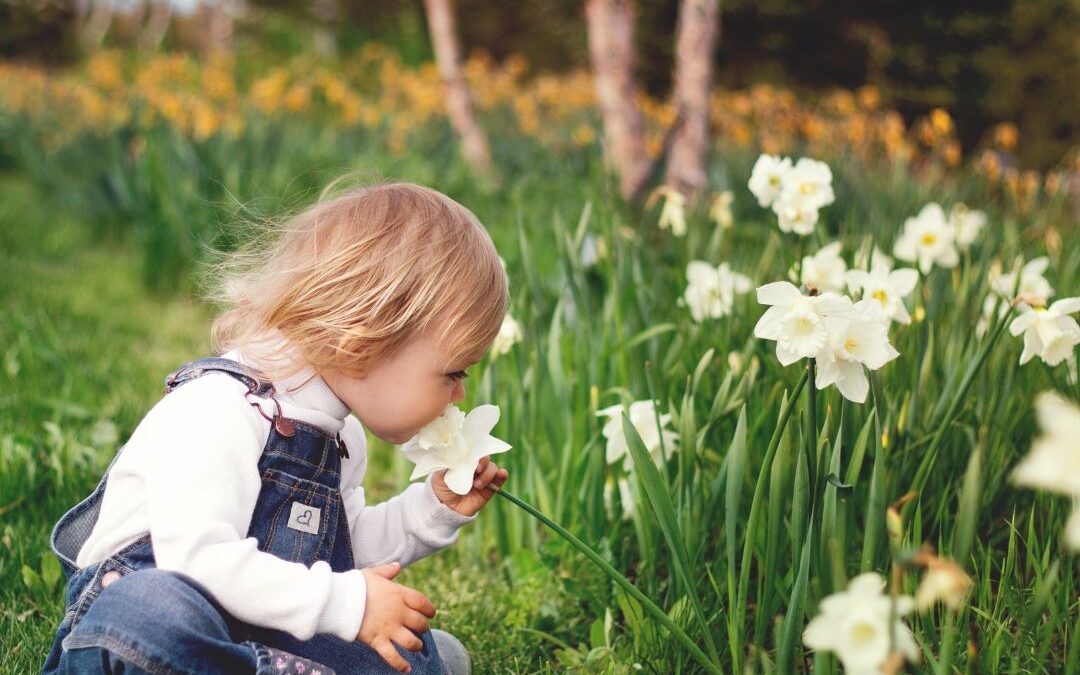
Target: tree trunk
694, 49
217, 20
459, 103
156, 25
611, 47
99, 15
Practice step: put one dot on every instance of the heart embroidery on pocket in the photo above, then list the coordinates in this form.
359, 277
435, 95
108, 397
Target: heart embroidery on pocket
305, 518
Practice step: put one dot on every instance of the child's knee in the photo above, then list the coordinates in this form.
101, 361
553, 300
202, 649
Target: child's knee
144, 616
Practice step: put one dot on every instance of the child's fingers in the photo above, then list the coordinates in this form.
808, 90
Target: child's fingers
496, 483
482, 464
407, 639
415, 621
386, 649
484, 478
418, 601
387, 570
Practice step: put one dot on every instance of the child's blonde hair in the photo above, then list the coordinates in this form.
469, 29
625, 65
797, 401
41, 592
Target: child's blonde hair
353, 278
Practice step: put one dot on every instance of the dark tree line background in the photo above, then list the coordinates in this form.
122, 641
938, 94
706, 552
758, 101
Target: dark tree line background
985, 61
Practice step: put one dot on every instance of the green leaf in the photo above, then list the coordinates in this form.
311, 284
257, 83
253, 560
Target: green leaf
660, 500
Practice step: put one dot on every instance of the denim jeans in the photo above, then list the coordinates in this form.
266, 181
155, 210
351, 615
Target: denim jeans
124, 615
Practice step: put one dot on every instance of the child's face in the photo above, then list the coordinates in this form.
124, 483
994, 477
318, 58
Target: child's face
400, 395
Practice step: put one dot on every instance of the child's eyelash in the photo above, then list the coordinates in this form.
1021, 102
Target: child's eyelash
458, 375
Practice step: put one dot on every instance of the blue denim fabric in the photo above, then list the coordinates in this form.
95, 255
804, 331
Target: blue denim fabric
123, 615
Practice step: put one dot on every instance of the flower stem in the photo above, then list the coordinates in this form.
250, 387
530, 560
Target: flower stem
651, 607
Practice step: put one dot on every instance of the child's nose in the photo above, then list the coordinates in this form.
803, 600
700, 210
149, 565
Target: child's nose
459, 392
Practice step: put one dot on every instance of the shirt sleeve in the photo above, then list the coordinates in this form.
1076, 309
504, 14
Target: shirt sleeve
406, 527
202, 483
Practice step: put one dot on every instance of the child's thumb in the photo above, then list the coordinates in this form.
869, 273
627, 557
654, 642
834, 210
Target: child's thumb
387, 570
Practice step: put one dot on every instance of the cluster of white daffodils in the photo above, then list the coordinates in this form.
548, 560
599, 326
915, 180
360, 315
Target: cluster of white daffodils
508, 336
934, 238
795, 192
643, 416
843, 337
455, 441
1054, 461
710, 293
863, 626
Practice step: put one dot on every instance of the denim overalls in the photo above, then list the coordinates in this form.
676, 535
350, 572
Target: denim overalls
122, 614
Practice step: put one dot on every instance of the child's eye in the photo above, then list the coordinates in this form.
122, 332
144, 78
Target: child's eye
458, 375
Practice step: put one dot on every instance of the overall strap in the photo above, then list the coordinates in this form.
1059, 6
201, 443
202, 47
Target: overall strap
194, 369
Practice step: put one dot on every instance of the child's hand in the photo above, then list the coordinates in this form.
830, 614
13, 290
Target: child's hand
392, 613
489, 477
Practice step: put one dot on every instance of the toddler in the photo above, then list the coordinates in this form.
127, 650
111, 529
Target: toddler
231, 533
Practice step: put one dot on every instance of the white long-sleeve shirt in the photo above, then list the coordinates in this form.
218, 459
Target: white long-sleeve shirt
189, 476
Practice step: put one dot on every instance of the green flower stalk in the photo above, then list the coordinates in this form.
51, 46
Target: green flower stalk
650, 607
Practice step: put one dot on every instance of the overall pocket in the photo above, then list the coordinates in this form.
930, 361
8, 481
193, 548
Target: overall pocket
294, 518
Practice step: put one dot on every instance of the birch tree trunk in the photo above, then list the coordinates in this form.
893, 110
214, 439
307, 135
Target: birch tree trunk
459, 103
611, 47
694, 49
156, 25
98, 18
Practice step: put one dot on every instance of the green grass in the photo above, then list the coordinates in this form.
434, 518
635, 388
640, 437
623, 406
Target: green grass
723, 537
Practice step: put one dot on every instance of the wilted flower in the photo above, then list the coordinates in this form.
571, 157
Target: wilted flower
887, 288
643, 416
1049, 332
825, 269
673, 213
456, 442
767, 178
720, 209
810, 182
944, 582
966, 224
1054, 461
508, 336
797, 321
859, 626
862, 340
711, 290
929, 239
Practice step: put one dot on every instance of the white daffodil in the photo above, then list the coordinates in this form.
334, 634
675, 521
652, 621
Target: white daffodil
711, 290
720, 209
643, 416
767, 178
859, 625
967, 223
927, 238
1053, 464
810, 182
825, 269
455, 441
862, 340
887, 288
1032, 281
796, 215
673, 213
1049, 332
508, 336
593, 250
796, 321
